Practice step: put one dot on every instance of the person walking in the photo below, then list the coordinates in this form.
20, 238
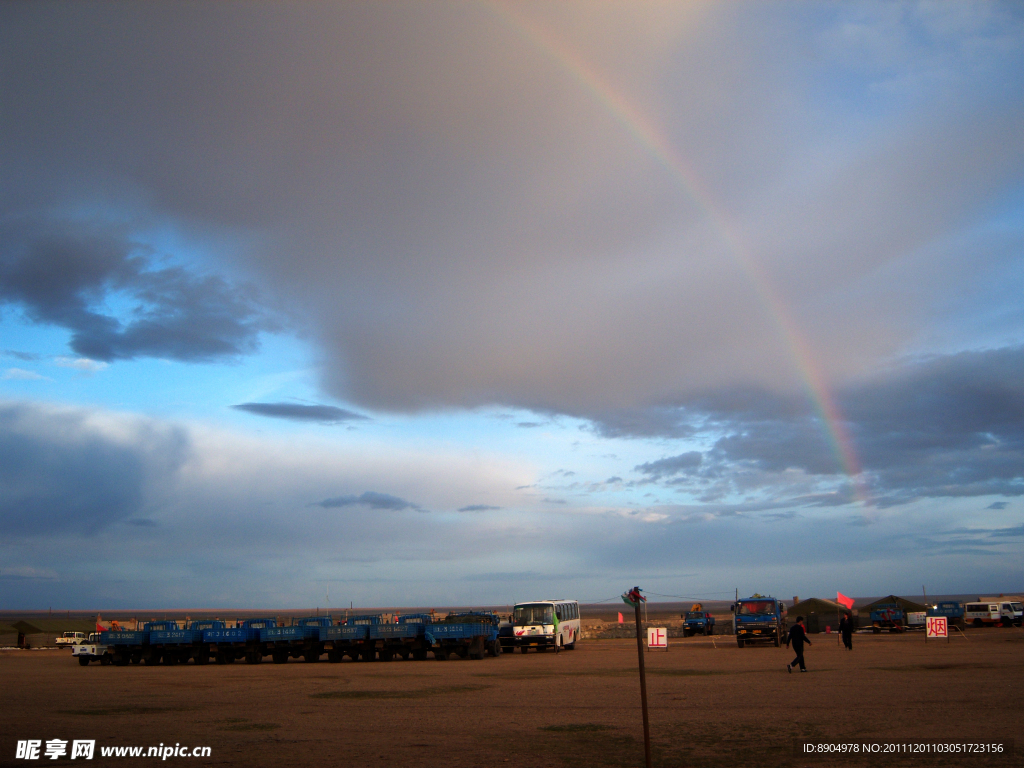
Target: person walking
797, 636
846, 630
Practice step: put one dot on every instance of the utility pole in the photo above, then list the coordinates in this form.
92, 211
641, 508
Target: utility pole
634, 598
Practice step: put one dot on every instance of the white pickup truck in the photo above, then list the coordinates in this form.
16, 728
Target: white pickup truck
91, 650
71, 639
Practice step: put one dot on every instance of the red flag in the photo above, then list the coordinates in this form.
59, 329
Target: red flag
620, 618
844, 600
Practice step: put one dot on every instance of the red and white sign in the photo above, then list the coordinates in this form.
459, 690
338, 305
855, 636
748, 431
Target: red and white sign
657, 637
937, 626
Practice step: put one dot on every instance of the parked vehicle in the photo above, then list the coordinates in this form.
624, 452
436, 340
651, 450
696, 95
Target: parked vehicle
69, 639
133, 645
992, 611
92, 650
759, 619
888, 616
545, 624
698, 621
469, 635
242, 642
952, 610
301, 639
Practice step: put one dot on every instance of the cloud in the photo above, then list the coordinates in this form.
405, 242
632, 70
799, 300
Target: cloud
998, 505
20, 374
83, 364
28, 357
66, 274
371, 500
28, 572
361, 213
529, 424
478, 508
688, 463
67, 470
324, 414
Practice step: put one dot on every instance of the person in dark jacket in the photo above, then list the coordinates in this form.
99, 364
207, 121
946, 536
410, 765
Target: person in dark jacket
797, 636
846, 630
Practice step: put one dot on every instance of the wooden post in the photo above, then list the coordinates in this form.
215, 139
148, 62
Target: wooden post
643, 685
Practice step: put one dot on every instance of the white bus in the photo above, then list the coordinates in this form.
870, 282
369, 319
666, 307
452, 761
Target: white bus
544, 624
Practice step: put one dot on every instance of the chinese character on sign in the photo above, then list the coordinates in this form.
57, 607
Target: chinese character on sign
56, 748
657, 637
937, 626
83, 749
28, 750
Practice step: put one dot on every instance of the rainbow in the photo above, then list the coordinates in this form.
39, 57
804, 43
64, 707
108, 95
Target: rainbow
647, 134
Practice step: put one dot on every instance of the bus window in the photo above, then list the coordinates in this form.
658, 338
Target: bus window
538, 613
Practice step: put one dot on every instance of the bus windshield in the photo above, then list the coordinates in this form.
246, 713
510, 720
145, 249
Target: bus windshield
533, 614
756, 607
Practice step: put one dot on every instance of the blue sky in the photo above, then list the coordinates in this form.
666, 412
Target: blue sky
478, 302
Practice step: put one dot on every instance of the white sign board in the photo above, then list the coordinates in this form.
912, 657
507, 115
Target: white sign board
657, 637
916, 618
937, 626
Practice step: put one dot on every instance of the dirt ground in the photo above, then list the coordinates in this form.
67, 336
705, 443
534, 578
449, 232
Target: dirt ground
711, 704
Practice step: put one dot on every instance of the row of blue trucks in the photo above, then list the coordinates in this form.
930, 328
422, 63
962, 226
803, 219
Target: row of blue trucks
359, 638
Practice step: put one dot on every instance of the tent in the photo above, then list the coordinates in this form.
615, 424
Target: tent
818, 614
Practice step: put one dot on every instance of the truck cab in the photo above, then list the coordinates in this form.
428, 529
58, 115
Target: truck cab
759, 619
698, 621
69, 639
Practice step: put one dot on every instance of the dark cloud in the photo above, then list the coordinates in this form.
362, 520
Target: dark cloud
26, 356
65, 275
371, 500
325, 414
60, 472
554, 501
942, 426
687, 463
478, 508
529, 424
998, 505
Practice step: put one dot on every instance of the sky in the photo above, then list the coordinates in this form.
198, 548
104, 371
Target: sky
480, 302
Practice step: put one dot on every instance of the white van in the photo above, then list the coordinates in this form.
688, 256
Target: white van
1011, 611
991, 611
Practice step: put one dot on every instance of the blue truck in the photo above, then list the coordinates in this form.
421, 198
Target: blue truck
134, 645
952, 610
227, 644
698, 621
405, 637
471, 634
759, 619
177, 646
301, 639
350, 638
890, 616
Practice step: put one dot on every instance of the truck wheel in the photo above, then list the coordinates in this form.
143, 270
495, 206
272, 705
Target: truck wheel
979, 623
739, 642
386, 655
136, 658
571, 646
333, 657
494, 649
170, 659
523, 649
203, 657
150, 659
420, 654
83, 661
280, 657
311, 658
221, 658
877, 630
440, 654
254, 657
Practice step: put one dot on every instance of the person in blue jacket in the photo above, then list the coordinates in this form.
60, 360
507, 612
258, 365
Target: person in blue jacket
797, 636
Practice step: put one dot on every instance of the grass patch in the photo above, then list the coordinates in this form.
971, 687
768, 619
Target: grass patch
421, 693
576, 728
126, 710
251, 727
